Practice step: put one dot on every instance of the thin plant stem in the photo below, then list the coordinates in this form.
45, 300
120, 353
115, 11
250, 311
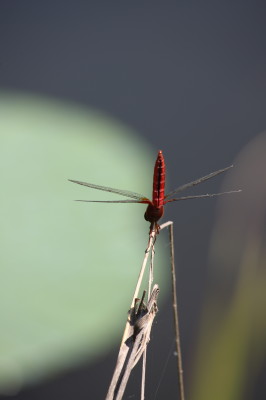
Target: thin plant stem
143, 374
175, 312
144, 357
151, 270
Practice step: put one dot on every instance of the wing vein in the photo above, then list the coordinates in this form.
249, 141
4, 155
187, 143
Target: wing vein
126, 193
197, 181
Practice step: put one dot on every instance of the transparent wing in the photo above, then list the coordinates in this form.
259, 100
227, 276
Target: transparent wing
126, 193
202, 196
197, 182
144, 201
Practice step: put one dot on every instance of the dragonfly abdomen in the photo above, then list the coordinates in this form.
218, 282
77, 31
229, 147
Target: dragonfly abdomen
155, 209
158, 181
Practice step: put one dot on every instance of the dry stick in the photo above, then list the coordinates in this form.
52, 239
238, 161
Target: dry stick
142, 270
123, 351
142, 328
175, 311
143, 374
129, 329
144, 358
151, 269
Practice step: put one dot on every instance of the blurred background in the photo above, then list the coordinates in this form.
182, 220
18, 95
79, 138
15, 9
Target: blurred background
91, 90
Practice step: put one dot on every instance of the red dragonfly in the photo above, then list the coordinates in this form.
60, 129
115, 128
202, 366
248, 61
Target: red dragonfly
155, 207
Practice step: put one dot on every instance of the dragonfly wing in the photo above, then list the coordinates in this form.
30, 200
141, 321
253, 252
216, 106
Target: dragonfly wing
202, 196
126, 193
197, 181
144, 201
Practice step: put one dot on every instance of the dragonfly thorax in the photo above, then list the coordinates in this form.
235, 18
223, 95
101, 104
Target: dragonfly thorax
153, 214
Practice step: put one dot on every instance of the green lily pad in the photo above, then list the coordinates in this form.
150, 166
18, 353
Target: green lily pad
68, 269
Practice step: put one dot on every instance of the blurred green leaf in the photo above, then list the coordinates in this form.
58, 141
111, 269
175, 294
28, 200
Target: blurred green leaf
68, 269
232, 345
